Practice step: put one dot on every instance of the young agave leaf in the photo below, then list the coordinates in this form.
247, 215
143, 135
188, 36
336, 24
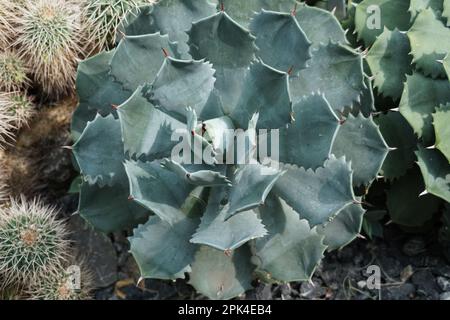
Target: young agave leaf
399, 135
435, 172
291, 250
318, 195
420, 97
252, 183
224, 234
441, 119
389, 62
425, 49
360, 141
405, 204
221, 276
392, 14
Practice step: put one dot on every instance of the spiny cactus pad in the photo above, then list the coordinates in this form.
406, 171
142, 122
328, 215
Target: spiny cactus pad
202, 76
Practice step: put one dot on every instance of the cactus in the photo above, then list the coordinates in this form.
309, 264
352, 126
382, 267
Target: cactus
33, 243
6, 27
101, 19
6, 127
60, 285
409, 69
13, 72
19, 106
221, 222
49, 42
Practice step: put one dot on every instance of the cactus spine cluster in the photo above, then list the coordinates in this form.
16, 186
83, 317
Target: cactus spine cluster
33, 243
101, 19
48, 40
198, 68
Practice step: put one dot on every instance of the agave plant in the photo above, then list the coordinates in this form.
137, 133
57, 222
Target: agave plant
409, 69
280, 74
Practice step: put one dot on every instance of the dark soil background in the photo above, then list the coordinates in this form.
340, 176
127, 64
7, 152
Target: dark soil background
412, 266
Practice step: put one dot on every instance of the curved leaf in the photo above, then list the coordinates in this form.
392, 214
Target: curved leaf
171, 17
330, 30
307, 141
181, 84
361, 142
251, 185
405, 205
80, 118
230, 48
389, 61
99, 151
153, 187
163, 250
425, 49
399, 135
446, 11
420, 97
333, 70
96, 88
291, 251
281, 43
146, 131
393, 14
225, 234
318, 195
441, 119
138, 59
220, 276
108, 208
417, 6
344, 228
243, 11
435, 171
266, 91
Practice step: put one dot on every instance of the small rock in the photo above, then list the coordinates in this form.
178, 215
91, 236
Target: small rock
98, 251
261, 292
426, 284
403, 292
443, 283
443, 271
445, 296
414, 246
362, 284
